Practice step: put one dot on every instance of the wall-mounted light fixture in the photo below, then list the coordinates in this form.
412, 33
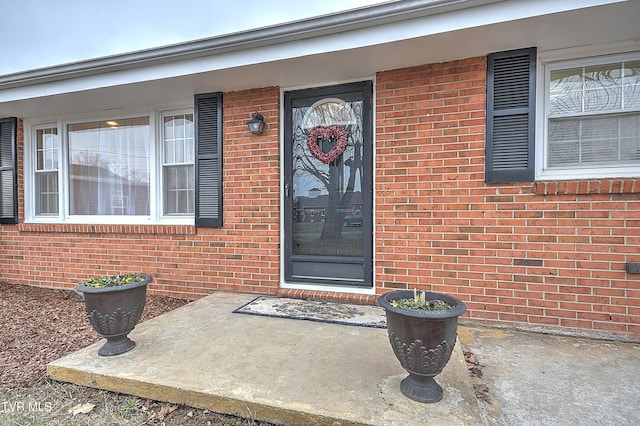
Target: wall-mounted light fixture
256, 124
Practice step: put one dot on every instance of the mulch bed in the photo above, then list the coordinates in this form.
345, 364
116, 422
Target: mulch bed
39, 325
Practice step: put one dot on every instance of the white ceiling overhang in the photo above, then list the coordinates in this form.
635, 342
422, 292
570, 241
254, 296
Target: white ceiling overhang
332, 48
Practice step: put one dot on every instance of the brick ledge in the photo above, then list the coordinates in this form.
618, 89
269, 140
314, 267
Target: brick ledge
592, 186
107, 229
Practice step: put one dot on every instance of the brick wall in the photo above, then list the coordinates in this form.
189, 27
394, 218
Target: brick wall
184, 261
547, 256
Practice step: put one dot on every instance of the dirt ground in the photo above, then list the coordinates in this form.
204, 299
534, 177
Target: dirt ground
39, 325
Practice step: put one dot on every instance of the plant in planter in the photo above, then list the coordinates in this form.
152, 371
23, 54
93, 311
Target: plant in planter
114, 306
422, 330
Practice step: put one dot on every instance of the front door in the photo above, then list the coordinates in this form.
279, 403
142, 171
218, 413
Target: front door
328, 185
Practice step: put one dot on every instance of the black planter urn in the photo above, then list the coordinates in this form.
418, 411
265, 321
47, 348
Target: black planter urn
423, 341
114, 312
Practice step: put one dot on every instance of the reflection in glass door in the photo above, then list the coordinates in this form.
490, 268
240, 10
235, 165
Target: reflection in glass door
328, 185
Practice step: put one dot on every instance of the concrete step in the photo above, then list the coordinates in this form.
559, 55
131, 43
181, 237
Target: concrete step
277, 370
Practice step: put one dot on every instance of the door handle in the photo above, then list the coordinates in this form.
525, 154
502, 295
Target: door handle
286, 190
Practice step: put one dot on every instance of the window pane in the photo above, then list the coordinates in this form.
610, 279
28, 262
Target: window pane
602, 87
179, 145
563, 142
179, 190
566, 91
47, 193
169, 151
109, 167
47, 149
631, 85
328, 208
178, 139
630, 138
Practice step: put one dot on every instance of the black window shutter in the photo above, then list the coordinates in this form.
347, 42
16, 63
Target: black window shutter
511, 78
208, 161
8, 171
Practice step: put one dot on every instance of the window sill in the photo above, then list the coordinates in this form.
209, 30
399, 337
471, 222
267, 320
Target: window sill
591, 186
107, 229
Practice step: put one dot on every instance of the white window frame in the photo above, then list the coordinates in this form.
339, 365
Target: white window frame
33, 159
561, 60
156, 193
161, 162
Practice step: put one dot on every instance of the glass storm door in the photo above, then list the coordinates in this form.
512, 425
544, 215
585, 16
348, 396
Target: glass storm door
328, 185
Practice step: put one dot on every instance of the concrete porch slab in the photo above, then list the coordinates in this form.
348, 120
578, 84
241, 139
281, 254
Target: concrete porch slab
277, 370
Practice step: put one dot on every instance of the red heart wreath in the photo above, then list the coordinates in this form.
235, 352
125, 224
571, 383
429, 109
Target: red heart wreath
326, 133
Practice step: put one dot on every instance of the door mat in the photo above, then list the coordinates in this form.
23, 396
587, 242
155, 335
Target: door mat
315, 310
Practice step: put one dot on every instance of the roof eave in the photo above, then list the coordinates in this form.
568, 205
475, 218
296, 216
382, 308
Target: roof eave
335, 23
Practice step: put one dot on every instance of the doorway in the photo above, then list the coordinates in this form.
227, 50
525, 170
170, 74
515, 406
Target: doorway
328, 185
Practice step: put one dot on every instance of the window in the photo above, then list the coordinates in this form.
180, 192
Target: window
146, 168
592, 118
177, 166
114, 170
46, 171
